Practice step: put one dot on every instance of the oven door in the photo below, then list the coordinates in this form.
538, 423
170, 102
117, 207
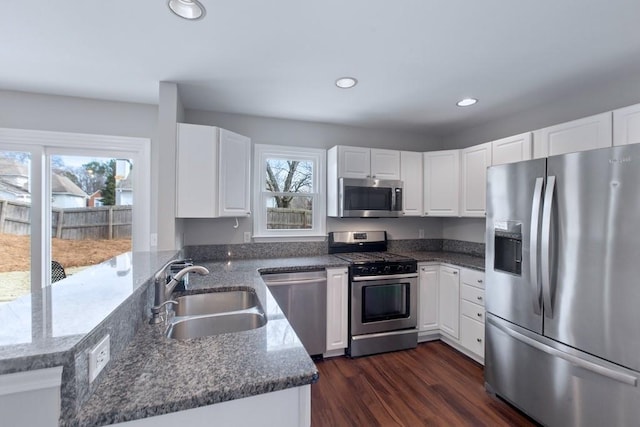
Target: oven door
383, 303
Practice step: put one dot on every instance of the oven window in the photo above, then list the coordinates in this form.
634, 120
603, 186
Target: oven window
367, 198
385, 302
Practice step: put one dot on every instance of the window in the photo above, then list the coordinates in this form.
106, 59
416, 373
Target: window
52, 185
289, 192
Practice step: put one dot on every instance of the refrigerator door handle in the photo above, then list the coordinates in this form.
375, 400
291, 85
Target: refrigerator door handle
533, 245
574, 360
545, 252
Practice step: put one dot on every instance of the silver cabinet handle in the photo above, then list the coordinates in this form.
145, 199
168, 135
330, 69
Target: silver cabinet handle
479, 314
479, 280
479, 298
479, 339
545, 246
533, 245
455, 272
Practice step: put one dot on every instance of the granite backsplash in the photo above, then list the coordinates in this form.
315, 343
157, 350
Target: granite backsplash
302, 249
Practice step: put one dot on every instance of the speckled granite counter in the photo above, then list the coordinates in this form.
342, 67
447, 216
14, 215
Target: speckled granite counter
156, 375
455, 258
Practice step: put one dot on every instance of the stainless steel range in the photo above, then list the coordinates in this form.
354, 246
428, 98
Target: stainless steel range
383, 293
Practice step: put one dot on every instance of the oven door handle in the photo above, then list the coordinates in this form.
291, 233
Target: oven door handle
384, 277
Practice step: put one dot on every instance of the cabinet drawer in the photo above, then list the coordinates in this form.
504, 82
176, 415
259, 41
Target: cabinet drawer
472, 335
472, 277
473, 294
473, 311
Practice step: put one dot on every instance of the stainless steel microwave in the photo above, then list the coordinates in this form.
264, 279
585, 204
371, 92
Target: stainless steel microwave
374, 198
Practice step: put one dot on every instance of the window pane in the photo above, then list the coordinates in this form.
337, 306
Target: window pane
15, 225
289, 176
91, 202
295, 216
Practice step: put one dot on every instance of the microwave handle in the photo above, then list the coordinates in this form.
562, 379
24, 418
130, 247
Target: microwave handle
396, 199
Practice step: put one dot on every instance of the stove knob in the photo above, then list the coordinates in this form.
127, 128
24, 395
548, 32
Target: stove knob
387, 268
364, 270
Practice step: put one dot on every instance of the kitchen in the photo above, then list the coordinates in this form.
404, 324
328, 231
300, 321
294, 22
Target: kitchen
27, 106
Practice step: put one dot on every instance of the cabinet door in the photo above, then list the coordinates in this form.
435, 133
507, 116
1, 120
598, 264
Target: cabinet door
385, 164
196, 171
429, 282
234, 174
449, 299
337, 308
475, 161
472, 335
354, 162
578, 135
512, 149
626, 125
411, 176
442, 183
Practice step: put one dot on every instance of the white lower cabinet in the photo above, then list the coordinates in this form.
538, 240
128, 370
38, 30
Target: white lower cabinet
472, 313
337, 310
449, 297
429, 282
31, 398
452, 307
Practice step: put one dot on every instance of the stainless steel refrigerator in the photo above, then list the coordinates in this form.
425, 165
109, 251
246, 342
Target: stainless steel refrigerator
563, 287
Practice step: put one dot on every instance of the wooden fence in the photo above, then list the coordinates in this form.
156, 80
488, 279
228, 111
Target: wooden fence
285, 218
103, 222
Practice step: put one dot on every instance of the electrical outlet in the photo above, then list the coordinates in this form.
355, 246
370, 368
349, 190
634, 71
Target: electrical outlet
421, 233
153, 239
247, 237
99, 356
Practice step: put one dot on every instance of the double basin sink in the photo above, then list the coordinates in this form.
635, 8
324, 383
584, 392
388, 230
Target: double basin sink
201, 315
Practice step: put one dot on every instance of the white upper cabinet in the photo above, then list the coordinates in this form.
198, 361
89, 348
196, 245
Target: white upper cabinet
475, 161
579, 135
353, 162
626, 125
512, 149
213, 172
411, 176
385, 164
359, 162
235, 174
441, 183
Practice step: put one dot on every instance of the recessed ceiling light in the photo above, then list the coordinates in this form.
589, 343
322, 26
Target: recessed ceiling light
187, 9
466, 102
346, 82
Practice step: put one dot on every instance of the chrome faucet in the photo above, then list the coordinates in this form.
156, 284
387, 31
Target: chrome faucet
164, 289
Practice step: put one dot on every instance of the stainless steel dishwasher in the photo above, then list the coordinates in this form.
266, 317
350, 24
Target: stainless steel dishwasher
302, 296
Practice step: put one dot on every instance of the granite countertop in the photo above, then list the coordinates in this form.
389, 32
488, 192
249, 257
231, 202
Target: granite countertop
155, 375
455, 258
46, 325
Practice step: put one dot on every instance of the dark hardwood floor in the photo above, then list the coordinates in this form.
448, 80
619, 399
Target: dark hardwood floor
432, 385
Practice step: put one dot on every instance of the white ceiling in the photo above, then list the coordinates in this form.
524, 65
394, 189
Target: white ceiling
413, 58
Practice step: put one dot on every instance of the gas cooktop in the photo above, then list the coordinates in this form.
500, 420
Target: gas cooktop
372, 257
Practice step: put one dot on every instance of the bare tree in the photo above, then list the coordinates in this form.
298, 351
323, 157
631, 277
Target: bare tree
288, 176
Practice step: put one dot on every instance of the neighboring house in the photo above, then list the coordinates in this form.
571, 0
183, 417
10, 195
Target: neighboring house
66, 194
95, 199
14, 185
14, 181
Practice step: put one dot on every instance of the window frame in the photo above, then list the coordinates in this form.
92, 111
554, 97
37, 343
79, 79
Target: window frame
319, 158
41, 145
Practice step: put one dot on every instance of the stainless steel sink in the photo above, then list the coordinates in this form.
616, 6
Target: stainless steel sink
203, 326
215, 302
201, 315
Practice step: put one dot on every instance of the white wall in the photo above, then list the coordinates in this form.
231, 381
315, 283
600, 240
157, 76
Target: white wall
468, 229
22, 110
222, 231
263, 130
621, 90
